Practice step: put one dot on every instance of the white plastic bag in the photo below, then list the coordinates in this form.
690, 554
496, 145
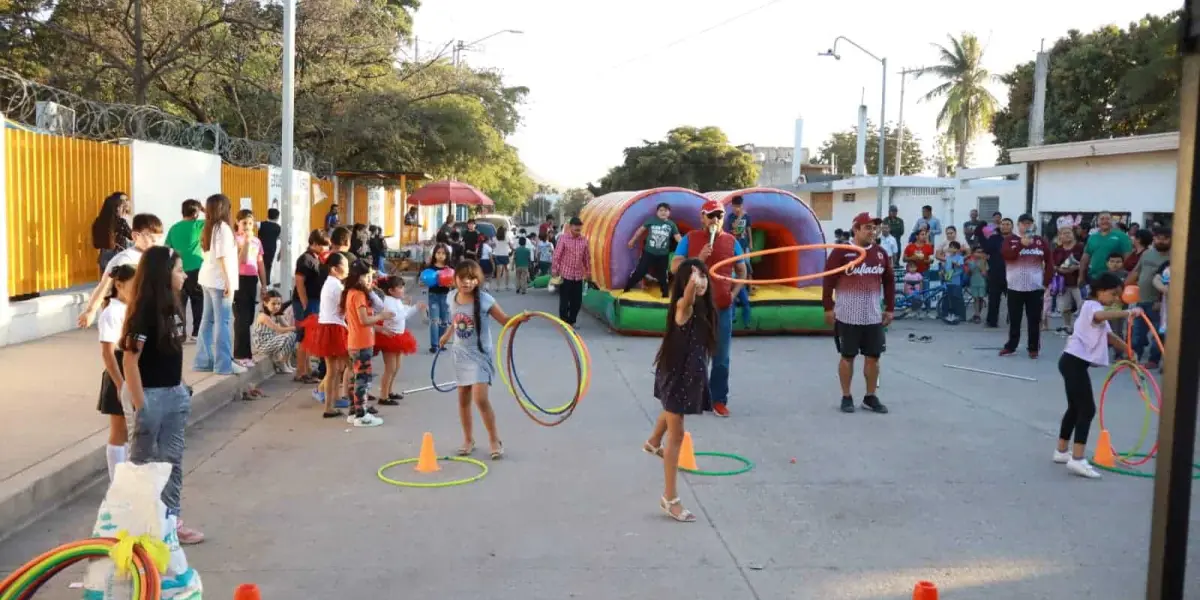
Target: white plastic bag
134, 504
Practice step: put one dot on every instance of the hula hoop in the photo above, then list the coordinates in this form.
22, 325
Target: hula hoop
433, 374
506, 361
483, 470
144, 571
862, 255
1141, 474
747, 464
1141, 377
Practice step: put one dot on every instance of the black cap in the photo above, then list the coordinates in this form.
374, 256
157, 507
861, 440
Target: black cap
1025, 218
576, 221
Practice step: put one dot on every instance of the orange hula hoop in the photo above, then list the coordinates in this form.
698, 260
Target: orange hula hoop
862, 255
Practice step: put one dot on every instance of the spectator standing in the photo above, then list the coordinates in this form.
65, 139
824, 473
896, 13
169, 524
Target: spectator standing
572, 261
251, 272
927, 220
268, 233
219, 279
997, 282
184, 239
1102, 242
111, 232
972, 229
1027, 268
894, 224
1065, 260
1149, 296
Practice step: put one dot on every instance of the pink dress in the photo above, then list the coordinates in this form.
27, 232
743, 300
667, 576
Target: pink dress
254, 252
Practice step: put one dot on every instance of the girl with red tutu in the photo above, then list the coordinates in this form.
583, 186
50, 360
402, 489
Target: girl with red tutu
325, 335
394, 339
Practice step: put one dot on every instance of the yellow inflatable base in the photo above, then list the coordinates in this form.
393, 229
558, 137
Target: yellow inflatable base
765, 293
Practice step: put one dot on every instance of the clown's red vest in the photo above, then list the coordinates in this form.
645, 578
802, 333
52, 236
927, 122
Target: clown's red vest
722, 249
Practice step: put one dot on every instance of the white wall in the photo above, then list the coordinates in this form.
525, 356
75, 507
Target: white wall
164, 176
1133, 183
974, 184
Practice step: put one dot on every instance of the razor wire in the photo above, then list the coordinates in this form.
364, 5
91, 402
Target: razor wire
110, 121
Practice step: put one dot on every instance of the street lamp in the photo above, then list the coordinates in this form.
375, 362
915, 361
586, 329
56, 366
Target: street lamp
882, 110
460, 46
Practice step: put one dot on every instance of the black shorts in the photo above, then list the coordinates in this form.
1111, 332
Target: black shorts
852, 340
110, 397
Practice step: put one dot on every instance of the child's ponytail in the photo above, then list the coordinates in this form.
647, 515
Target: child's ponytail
119, 274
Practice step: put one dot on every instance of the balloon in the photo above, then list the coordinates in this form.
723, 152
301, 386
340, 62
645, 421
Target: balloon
445, 278
429, 277
1131, 295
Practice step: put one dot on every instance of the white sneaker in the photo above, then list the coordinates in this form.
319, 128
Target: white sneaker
287, 370
238, 369
1082, 468
1062, 458
367, 420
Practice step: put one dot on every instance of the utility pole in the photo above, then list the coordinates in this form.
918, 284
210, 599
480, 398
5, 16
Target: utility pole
287, 148
900, 122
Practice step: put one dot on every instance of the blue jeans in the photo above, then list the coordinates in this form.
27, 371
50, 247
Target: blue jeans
214, 347
439, 317
157, 436
718, 376
743, 301
1141, 334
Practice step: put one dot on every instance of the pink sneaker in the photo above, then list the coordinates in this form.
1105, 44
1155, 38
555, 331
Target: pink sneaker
188, 536
245, 362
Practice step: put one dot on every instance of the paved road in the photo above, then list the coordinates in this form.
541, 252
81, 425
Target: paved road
955, 486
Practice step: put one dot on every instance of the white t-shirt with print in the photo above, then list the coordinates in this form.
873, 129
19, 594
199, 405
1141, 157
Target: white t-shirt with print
331, 297
487, 252
112, 321
222, 245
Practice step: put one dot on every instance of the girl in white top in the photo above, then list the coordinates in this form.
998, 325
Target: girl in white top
328, 340
111, 326
1087, 346
502, 250
487, 264
219, 278
393, 339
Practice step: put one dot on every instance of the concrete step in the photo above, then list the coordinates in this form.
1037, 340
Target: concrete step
56, 480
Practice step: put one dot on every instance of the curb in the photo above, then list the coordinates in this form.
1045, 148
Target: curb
73, 470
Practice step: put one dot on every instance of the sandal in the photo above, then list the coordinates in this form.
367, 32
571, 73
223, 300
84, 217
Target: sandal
684, 516
498, 453
255, 392
307, 379
387, 402
395, 396
649, 449
333, 414
466, 449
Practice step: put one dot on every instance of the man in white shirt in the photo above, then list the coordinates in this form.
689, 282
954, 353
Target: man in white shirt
889, 245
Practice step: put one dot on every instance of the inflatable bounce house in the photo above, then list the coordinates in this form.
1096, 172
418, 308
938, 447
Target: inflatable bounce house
778, 219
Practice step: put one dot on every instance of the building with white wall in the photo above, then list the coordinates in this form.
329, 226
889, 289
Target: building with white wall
1132, 177
836, 202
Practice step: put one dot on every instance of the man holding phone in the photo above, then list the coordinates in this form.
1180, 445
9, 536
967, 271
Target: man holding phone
1027, 267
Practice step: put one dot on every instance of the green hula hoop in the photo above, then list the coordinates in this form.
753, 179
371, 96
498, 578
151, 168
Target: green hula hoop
483, 470
1132, 473
746, 465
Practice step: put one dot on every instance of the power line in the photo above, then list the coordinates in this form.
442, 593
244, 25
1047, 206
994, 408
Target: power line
697, 34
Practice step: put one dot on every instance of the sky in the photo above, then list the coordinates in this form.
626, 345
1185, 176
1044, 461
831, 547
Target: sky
604, 76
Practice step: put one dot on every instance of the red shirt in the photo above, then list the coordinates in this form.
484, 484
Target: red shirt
572, 258
1026, 267
723, 248
1060, 255
859, 292
926, 255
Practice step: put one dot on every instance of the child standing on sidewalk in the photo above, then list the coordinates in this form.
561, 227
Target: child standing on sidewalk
471, 337
153, 345
361, 320
681, 374
111, 324
325, 336
439, 308
1087, 346
393, 339
522, 260
977, 269
545, 255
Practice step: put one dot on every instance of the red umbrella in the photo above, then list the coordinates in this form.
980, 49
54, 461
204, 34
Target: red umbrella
449, 192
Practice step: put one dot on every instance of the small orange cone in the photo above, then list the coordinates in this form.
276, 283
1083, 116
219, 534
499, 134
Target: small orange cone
687, 454
1104, 454
427, 460
247, 591
925, 590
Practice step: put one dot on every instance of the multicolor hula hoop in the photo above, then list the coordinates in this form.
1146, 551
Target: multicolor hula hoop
862, 255
141, 557
506, 363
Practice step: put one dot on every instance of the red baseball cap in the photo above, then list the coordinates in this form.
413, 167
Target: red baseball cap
864, 218
711, 206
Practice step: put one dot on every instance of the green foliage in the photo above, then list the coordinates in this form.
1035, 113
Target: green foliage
968, 107
690, 157
842, 148
572, 202
1111, 82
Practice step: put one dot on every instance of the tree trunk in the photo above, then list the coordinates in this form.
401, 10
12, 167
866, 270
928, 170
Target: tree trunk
139, 53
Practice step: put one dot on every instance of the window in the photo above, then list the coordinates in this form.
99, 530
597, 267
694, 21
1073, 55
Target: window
822, 205
847, 196
988, 205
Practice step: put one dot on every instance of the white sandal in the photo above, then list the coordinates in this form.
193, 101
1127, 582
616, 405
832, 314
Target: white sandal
655, 450
684, 516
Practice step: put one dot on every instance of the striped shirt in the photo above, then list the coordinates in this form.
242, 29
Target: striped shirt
1028, 268
572, 258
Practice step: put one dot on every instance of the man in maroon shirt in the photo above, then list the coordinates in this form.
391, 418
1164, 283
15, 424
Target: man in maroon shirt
852, 300
1027, 267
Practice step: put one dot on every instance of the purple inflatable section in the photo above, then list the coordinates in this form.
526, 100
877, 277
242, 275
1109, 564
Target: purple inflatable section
685, 211
789, 212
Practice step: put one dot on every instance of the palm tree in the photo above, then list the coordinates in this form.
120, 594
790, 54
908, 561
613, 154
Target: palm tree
968, 106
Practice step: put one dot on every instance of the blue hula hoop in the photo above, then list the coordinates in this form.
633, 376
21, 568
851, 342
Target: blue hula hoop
433, 374
512, 368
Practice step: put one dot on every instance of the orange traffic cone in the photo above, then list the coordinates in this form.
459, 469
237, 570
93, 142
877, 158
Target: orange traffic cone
247, 591
427, 460
687, 454
925, 590
1104, 454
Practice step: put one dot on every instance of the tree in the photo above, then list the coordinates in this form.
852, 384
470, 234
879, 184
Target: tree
968, 106
690, 157
572, 202
1111, 82
944, 162
842, 148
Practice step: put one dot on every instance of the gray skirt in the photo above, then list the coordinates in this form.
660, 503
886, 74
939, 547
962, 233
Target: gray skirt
472, 366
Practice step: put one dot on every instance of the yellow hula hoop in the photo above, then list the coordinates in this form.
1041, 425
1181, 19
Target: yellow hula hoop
585, 367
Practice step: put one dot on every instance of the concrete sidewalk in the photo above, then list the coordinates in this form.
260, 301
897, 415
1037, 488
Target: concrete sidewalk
53, 437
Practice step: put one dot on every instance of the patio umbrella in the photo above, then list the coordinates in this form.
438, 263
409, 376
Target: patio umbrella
449, 192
